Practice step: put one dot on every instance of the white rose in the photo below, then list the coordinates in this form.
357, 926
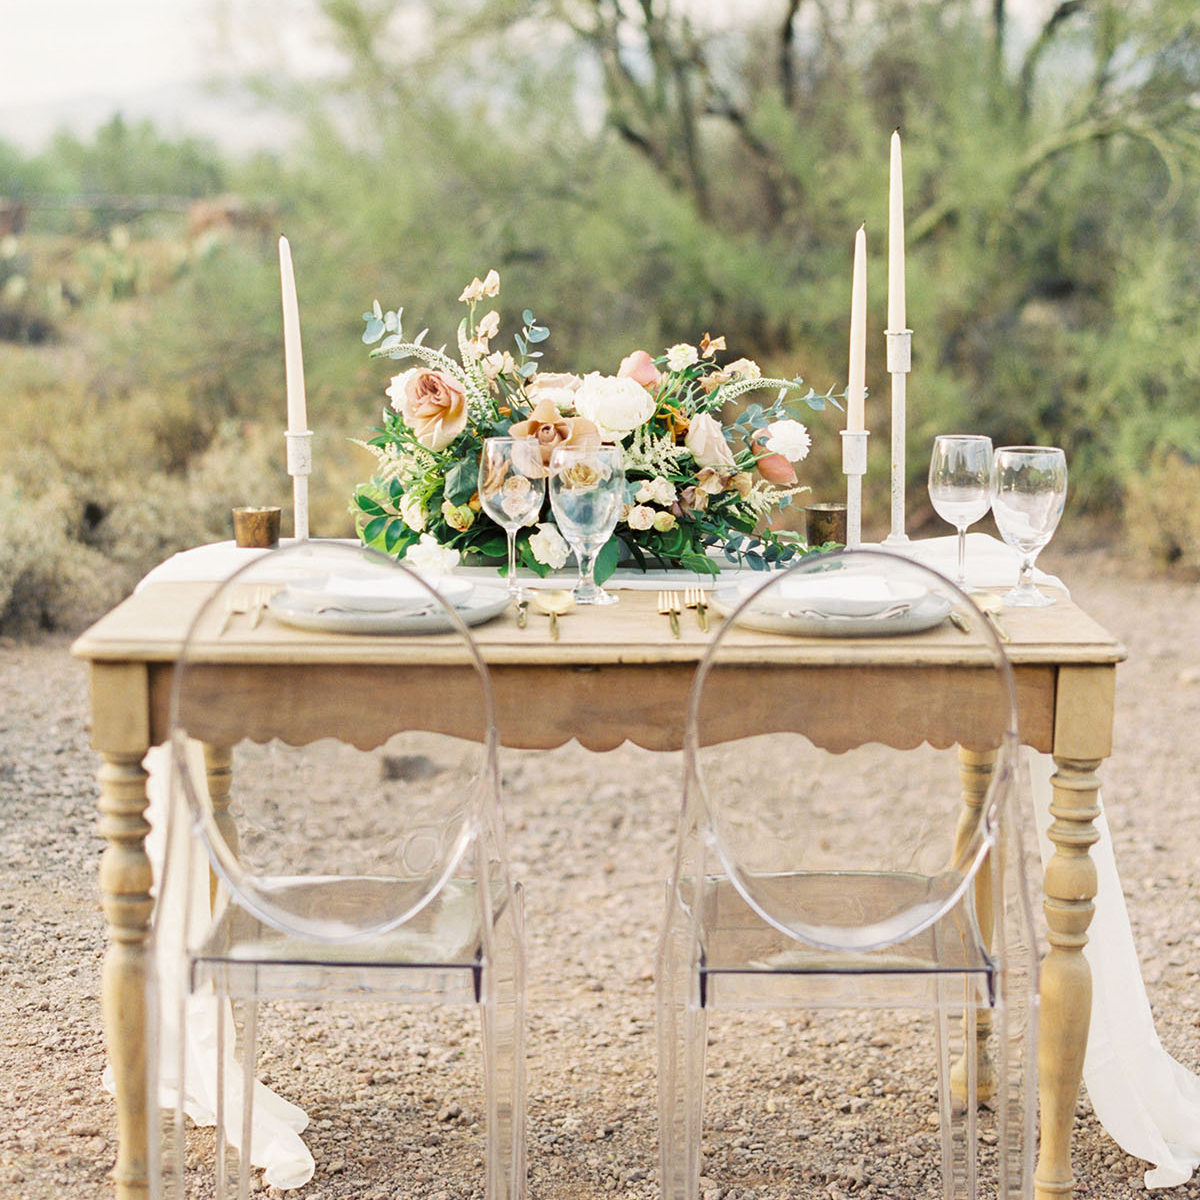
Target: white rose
429, 557
615, 404
706, 440
640, 517
743, 368
664, 522
558, 387
412, 514
549, 546
789, 438
660, 490
681, 356
395, 389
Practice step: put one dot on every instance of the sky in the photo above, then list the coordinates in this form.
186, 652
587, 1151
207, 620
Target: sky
78, 61
55, 50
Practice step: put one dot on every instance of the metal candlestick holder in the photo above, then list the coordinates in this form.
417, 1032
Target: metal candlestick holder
854, 466
899, 363
299, 465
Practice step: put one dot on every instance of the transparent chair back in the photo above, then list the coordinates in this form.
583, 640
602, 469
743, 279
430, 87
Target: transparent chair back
838, 857
351, 850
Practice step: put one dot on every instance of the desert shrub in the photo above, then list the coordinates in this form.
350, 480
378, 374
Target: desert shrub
1162, 515
48, 580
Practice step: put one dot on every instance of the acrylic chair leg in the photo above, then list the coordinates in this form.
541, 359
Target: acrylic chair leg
502, 1015
250, 1050
220, 1166
682, 1041
945, 1100
959, 1122
975, 773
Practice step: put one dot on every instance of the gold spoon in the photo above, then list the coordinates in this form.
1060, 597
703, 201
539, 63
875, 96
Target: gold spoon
553, 601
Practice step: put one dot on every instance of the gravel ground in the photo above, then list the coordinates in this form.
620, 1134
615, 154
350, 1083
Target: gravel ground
792, 1110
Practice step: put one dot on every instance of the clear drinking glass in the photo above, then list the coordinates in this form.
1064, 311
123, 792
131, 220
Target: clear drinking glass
959, 485
512, 486
1029, 489
587, 490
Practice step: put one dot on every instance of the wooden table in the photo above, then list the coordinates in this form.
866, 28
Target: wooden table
616, 674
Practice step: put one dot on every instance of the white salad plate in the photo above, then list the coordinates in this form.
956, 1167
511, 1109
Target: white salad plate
801, 618
373, 592
836, 594
303, 610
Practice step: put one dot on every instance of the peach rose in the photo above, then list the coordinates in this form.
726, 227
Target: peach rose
639, 366
706, 440
432, 404
549, 429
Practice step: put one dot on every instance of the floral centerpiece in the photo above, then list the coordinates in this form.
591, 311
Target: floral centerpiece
696, 478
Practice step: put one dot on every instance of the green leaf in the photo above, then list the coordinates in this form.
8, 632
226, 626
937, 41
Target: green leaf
607, 559
373, 529
368, 505
700, 563
538, 333
461, 480
394, 534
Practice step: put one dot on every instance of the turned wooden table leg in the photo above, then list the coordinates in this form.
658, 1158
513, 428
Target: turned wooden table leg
975, 774
1066, 978
218, 767
125, 881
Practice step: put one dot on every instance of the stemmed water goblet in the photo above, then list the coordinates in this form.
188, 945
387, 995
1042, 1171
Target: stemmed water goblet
512, 486
587, 490
959, 485
1029, 490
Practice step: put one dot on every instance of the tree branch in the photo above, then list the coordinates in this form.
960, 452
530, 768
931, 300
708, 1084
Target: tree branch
1065, 10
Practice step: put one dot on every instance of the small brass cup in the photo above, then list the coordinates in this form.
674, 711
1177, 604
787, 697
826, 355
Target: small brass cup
825, 523
258, 527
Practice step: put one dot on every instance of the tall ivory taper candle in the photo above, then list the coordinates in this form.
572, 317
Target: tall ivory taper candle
857, 388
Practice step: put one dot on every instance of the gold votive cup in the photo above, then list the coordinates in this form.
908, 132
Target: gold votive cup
825, 523
257, 527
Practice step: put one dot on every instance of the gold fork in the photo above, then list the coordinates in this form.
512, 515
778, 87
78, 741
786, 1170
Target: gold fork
694, 597
668, 605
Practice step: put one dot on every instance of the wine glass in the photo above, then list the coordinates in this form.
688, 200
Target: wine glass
512, 486
959, 482
1029, 490
587, 490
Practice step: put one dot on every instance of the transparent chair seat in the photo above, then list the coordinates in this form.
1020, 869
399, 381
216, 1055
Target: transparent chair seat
355, 867
836, 858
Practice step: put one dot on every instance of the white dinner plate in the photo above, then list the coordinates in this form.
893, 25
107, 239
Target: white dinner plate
922, 613
837, 594
300, 611
373, 591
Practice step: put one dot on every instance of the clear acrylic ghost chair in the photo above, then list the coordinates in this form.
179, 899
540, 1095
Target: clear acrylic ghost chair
367, 867
817, 867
